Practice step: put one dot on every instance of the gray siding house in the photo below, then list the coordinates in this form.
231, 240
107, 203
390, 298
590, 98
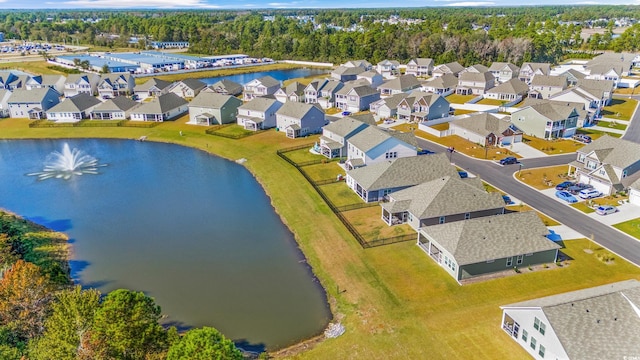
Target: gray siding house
333, 142
489, 244
420, 67
420, 106
73, 109
258, 114
263, 86
165, 107
225, 87
118, 108
32, 104
300, 119
115, 84
356, 98
209, 108
548, 121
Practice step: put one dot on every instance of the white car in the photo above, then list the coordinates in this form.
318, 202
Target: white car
589, 193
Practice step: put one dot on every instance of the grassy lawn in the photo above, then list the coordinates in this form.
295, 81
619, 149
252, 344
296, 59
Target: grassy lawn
545, 219
536, 177
588, 205
393, 300
340, 194
329, 170
490, 102
368, 222
234, 130
459, 99
441, 127
583, 206
305, 80
631, 227
591, 132
618, 125
302, 155
553, 147
33, 67
620, 109
457, 112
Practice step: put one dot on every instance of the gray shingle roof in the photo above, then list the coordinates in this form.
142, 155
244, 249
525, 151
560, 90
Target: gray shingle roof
343, 127
29, 96
403, 172
344, 70
89, 78
51, 79
483, 124
371, 137
485, 238
160, 84
513, 86
477, 68
595, 323
475, 76
401, 83
228, 86
77, 103
193, 84
360, 90
552, 111
365, 118
498, 66
448, 195
548, 80
452, 67
544, 67
599, 85
423, 61
261, 104
161, 104
614, 151
118, 103
293, 88
446, 81
297, 110
213, 100
575, 73
268, 81
393, 101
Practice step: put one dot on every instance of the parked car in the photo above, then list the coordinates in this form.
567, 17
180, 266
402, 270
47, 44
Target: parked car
508, 160
389, 121
564, 185
425, 152
576, 188
507, 200
589, 193
566, 196
346, 113
606, 209
463, 174
582, 138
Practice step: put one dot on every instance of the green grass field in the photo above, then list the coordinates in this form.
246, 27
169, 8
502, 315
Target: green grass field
393, 300
631, 227
620, 109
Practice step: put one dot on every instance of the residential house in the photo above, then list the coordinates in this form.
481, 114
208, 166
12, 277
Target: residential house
486, 129
401, 84
364, 64
312, 90
333, 142
453, 68
187, 88
327, 94
163, 108
56, 82
295, 92
504, 72
376, 181
225, 87
372, 77
32, 104
81, 83
115, 84
344, 73
584, 117
634, 193
613, 72
421, 106
477, 68
509, 91
258, 114
263, 86
543, 86
7, 78
594, 94
387, 107
573, 76
4, 104
73, 109
420, 67
388, 68
442, 200
355, 98
474, 83
299, 119
118, 108
443, 85
373, 145
210, 108
596, 323
488, 244
546, 121
601, 88
607, 163
529, 69
151, 88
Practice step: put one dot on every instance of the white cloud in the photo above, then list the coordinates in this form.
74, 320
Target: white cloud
140, 3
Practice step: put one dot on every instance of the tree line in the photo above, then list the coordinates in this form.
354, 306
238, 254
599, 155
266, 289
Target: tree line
43, 316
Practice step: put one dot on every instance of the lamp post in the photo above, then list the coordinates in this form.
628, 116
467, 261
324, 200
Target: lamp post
520, 169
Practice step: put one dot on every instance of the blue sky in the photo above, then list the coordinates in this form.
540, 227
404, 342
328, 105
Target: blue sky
279, 4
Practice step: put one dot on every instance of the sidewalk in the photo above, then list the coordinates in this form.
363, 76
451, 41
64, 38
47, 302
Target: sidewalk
526, 151
607, 129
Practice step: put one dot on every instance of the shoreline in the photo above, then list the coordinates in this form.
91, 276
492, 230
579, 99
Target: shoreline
291, 350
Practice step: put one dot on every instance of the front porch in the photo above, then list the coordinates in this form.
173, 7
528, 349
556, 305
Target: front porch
428, 247
329, 148
391, 217
205, 119
252, 123
293, 131
36, 114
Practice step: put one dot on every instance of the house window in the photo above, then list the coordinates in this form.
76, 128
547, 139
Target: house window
533, 343
543, 328
441, 220
624, 173
602, 172
510, 261
591, 165
581, 157
541, 351
519, 260
467, 216
525, 335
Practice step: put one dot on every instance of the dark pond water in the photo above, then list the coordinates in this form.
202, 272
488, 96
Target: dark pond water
281, 75
194, 231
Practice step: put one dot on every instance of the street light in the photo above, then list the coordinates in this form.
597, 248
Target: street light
520, 169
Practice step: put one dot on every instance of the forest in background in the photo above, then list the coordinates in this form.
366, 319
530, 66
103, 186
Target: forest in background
467, 35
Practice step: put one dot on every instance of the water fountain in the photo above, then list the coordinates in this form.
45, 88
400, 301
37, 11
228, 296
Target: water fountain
67, 163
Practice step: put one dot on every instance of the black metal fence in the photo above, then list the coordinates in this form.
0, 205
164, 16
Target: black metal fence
90, 123
338, 210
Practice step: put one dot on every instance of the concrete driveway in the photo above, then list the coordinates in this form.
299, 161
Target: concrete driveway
526, 151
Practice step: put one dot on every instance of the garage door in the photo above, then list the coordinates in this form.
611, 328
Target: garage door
634, 197
602, 187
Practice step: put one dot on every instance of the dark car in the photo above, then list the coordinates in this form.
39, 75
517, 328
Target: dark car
507, 200
463, 174
425, 152
564, 185
582, 138
576, 188
508, 160
346, 113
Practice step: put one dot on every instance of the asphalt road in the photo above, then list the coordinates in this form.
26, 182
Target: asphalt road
502, 178
633, 130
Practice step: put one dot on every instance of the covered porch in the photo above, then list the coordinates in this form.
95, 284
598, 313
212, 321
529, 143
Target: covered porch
430, 248
509, 325
329, 148
205, 119
104, 115
293, 131
395, 213
354, 163
36, 114
252, 123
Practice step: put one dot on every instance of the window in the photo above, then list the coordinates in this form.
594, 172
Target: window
541, 351
519, 260
602, 172
581, 157
543, 328
536, 323
510, 261
533, 343
441, 220
525, 334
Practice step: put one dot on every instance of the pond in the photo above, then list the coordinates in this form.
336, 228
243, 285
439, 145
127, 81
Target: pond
194, 231
280, 75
